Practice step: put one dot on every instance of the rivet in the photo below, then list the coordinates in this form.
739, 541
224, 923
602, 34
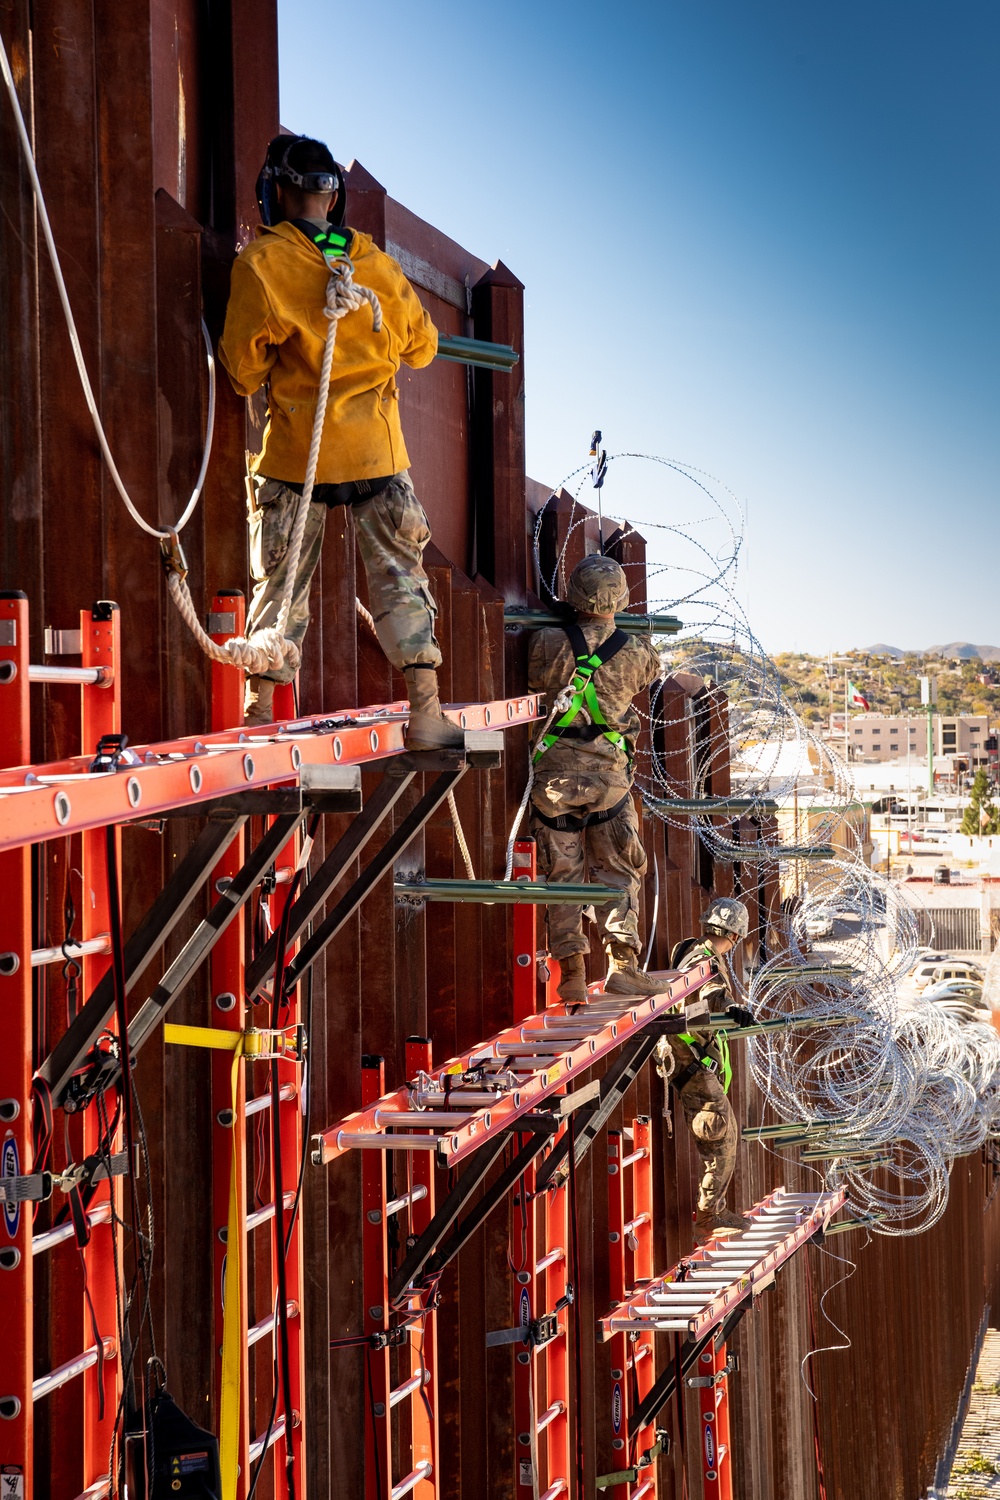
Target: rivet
63, 809
133, 791
194, 776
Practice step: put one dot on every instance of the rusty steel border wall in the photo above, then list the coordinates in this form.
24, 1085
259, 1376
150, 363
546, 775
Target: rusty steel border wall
149, 134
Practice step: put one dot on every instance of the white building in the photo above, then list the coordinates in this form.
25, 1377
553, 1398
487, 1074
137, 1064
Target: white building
880, 737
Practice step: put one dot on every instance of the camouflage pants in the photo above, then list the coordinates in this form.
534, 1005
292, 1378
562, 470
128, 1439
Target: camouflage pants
391, 531
712, 1123
613, 855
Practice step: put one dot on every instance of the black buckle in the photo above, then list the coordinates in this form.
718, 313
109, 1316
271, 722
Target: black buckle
110, 749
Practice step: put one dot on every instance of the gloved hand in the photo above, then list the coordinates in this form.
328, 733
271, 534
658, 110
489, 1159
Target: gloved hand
741, 1015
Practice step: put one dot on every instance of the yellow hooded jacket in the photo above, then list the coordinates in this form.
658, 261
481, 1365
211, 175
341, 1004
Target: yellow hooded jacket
275, 331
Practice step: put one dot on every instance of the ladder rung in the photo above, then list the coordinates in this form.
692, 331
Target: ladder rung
266, 1325
258, 1446
263, 1101
97, 1490
628, 1161
63, 1374
429, 1117
422, 1471
62, 1232
262, 1215
408, 1387
554, 1256
548, 1417
636, 1223
558, 1487
369, 1141
396, 1205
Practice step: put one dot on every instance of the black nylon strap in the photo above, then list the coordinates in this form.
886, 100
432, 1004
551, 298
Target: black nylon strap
611, 647
567, 823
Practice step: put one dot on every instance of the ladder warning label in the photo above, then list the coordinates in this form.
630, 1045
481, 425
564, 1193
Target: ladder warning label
525, 1475
11, 1483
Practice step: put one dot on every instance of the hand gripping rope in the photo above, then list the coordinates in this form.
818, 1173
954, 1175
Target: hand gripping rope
267, 649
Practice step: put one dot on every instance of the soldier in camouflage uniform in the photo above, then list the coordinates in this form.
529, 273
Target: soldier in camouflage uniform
582, 813
275, 334
696, 1063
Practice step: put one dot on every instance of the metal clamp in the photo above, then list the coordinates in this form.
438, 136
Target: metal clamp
539, 1331
729, 1368
111, 748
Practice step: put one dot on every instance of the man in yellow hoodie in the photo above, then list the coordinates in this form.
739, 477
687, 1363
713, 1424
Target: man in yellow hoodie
275, 334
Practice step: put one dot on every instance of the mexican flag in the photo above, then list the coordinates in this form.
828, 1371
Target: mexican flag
856, 698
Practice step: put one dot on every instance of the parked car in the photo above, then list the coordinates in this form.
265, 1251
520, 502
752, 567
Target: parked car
819, 924
962, 1001
954, 969
965, 989
923, 974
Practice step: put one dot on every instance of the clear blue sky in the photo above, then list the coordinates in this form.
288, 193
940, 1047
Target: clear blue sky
758, 236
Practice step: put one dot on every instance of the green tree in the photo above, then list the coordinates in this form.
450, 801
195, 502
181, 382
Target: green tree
981, 815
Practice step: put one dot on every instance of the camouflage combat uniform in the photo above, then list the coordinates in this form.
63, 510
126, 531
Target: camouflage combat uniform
392, 532
707, 1110
576, 777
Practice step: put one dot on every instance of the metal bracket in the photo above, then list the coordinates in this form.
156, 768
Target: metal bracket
729, 1368
37, 1187
541, 1330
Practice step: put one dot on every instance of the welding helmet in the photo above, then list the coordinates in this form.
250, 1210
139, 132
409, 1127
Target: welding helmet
597, 585
306, 164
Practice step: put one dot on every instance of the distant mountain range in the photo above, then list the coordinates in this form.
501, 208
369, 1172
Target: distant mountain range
960, 650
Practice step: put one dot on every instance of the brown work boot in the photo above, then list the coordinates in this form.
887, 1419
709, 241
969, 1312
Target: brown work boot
258, 700
624, 975
718, 1224
572, 986
428, 728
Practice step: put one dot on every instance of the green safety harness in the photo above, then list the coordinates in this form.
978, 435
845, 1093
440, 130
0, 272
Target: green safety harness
584, 696
703, 1057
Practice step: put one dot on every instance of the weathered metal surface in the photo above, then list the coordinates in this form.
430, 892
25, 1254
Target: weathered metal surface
149, 134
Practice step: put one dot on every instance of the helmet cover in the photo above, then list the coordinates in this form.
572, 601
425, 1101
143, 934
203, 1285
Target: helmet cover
726, 915
597, 585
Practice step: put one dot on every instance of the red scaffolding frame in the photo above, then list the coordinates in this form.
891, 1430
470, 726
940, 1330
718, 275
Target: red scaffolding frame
76, 797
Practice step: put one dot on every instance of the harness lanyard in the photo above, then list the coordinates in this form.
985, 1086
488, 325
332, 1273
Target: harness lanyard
581, 685
725, 1066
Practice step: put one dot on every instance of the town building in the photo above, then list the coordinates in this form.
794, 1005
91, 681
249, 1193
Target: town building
879, 737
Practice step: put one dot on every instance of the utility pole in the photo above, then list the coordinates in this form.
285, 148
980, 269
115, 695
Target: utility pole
928, 697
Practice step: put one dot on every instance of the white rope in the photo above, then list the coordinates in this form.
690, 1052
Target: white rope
74, 338
561, 705
269, 650
470, 869
367, 616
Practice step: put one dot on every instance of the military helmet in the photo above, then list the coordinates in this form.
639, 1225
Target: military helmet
597, 585
727, 916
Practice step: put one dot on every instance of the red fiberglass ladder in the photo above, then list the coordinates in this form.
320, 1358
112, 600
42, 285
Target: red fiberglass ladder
704, 1297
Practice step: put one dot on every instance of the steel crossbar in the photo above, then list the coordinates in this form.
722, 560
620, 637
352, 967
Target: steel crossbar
489, 1088
698, 1293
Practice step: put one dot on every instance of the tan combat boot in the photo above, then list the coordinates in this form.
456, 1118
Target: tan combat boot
258, 700
572, 986
428, 728
718, 1224
624, 975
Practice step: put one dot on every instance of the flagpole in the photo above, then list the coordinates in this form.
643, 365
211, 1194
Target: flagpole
847, 743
